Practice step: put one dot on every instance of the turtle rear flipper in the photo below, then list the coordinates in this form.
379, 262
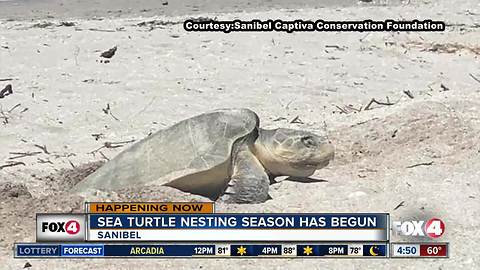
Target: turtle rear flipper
249, 182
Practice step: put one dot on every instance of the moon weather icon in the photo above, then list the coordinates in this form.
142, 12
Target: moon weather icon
374, 251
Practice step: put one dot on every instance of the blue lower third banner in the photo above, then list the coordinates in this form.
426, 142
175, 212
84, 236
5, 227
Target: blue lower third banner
35, 250
238, 227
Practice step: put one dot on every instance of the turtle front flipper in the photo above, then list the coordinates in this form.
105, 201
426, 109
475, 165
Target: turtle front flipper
249, 182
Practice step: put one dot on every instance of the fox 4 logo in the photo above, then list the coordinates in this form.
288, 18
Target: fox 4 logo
70, 227
60, 227
433, 228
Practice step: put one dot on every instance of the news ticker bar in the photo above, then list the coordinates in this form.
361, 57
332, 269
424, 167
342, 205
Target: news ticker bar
216, 250
212, 227
209, 250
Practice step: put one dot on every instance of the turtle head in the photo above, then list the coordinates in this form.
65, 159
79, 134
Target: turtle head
289, 152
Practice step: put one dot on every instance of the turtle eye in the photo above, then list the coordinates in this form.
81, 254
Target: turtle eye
308, 141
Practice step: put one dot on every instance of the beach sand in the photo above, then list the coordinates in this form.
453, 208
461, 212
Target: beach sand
67, 103
40, 9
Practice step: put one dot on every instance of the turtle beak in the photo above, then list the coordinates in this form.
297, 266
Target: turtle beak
329, 149
326, 154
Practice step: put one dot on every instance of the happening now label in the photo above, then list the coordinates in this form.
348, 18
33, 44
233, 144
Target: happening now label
149, 208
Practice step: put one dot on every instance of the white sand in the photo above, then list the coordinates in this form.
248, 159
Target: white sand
161, 76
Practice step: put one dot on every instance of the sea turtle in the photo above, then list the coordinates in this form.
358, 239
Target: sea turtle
221, 155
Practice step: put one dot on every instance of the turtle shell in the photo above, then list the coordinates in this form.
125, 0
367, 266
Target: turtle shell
193, 155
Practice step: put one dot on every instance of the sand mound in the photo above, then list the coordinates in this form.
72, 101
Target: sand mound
429, 129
